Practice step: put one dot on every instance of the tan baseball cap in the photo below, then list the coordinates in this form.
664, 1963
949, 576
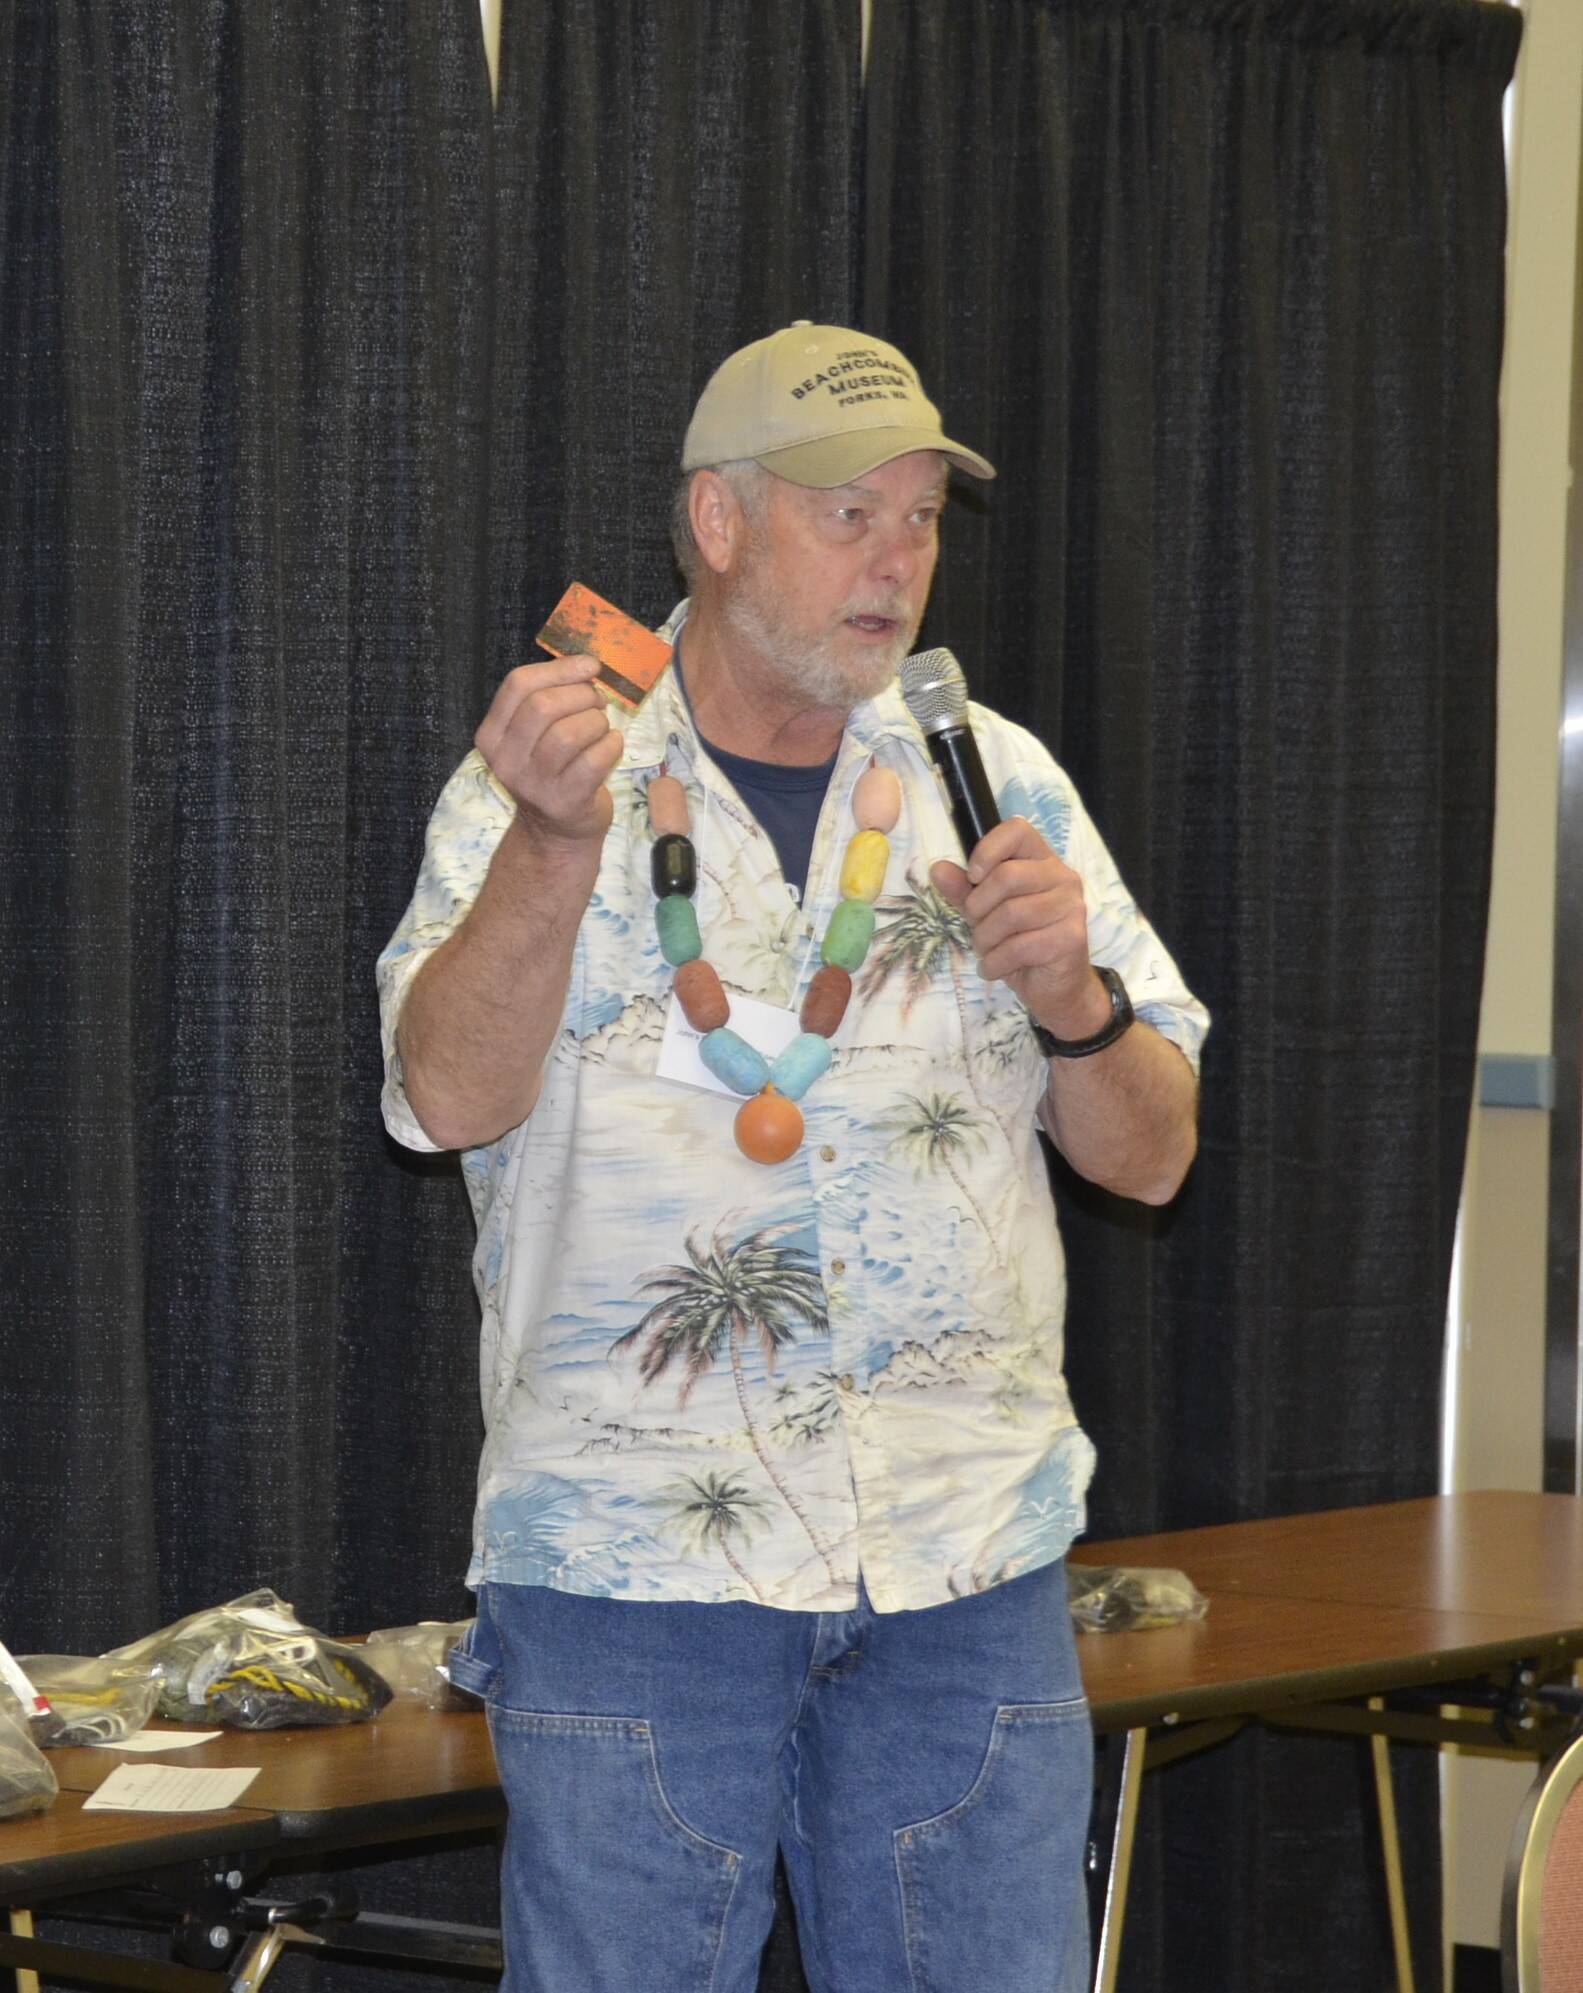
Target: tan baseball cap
819, 405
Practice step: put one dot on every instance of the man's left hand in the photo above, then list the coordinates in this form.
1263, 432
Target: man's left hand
1024, 907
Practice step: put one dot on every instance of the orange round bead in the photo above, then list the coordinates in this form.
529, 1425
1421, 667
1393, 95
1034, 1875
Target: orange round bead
768, 1127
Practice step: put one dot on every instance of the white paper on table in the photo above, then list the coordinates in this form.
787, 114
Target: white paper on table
172, 1788
156, 1740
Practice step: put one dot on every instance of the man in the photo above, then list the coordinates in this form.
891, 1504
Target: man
780, 1467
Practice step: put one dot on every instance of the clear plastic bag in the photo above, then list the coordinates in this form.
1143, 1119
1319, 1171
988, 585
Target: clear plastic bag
254, 1665
27, 1780
1119, 1598
416, 1661
91, 1701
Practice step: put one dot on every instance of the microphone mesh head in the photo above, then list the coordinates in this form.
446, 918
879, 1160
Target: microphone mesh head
935, 690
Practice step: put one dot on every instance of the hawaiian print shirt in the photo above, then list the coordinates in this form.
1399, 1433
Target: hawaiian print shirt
704, 1378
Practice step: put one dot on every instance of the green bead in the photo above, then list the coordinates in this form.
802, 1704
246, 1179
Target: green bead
677, 922
847, 937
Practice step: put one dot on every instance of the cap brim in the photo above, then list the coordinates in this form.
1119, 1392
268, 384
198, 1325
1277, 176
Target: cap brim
842, 459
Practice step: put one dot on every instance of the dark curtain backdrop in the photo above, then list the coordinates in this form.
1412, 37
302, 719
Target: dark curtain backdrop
673, 182
1218, 287
244, 273
243, 384
316, 386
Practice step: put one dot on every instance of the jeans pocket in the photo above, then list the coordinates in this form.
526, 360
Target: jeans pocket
474, 1661
604, 1883
992, 1888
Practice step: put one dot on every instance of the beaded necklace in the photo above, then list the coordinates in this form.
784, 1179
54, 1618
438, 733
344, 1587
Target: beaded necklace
769, 1123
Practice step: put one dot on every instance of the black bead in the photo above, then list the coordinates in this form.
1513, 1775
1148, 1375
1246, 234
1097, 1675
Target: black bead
675, 866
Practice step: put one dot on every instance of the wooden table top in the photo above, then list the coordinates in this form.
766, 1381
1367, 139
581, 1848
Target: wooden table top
1344, 1603
1498, 1550
65, 1848
409, 1772
1301, 1609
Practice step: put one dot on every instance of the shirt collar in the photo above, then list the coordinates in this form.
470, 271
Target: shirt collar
663, 724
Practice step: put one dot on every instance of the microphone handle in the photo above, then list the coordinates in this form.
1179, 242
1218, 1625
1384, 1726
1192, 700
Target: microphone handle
961, 768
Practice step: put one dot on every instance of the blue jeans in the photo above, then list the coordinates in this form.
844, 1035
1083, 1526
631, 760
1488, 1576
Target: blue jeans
926, 1775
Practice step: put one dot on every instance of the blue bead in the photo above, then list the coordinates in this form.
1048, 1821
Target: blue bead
733, 1061
804, 1060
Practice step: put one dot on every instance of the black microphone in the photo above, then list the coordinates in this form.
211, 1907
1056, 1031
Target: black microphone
936, 694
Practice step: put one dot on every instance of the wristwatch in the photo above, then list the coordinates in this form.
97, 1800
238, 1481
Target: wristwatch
1080, 1048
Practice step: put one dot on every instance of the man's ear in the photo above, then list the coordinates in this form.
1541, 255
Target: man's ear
719, 524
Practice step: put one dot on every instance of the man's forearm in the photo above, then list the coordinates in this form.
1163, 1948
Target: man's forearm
483, 1011
1125, 1118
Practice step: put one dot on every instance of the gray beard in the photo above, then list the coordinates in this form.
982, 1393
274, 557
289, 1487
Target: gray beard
814, 669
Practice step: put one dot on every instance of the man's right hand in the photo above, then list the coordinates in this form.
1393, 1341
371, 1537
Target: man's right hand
547, 738
483, 1011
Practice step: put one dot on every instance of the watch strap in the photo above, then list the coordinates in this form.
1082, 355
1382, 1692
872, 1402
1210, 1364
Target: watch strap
1121, 1015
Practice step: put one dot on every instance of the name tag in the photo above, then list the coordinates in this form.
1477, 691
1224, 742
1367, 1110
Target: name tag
764, 1025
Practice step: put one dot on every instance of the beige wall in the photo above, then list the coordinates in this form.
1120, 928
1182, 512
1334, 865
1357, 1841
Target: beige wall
1496, 1434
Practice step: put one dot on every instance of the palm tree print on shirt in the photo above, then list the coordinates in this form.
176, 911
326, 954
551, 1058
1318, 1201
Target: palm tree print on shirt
808, 1418
919, 934
714, 1301
714, 1510
935, 1132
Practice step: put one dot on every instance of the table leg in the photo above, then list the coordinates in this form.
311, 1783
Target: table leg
1116, 1829
258, 1961
22, 1927
1391, 1850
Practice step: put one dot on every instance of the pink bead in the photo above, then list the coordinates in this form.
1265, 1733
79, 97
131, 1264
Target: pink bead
668, 807
876, 801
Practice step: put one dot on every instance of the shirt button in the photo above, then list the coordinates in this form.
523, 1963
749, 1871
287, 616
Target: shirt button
827, 1154
848, 1381
838, 1266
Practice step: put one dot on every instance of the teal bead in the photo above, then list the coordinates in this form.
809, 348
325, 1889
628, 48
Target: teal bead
677, 921
847, 937
733, 1061
804, 1060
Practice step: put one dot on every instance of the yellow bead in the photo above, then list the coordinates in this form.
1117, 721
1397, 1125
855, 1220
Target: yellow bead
863, 868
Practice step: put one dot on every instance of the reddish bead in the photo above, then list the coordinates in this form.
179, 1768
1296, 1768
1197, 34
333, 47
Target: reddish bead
825, 1004
704, 1002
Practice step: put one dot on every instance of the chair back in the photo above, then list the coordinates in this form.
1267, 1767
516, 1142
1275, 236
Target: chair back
1542, 1904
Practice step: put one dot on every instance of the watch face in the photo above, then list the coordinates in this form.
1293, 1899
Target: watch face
1120, 1002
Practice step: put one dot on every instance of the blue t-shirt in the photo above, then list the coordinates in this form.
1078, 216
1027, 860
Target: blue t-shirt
786, 802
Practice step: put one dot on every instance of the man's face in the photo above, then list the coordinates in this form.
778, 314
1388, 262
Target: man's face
830, 586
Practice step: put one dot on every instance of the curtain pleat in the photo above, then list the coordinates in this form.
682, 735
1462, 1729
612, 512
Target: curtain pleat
245, 351
672, 182
1219, 289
